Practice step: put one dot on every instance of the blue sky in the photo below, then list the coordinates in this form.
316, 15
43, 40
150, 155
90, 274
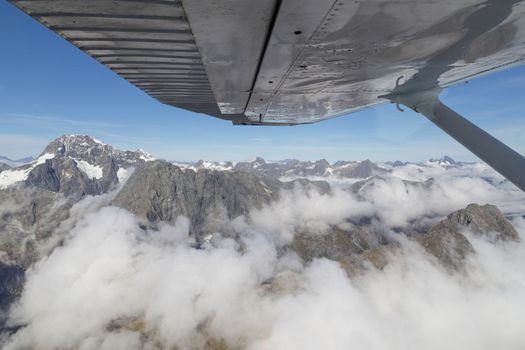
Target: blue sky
49, 88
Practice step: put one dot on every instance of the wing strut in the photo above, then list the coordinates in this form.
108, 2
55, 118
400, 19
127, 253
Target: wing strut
499, 156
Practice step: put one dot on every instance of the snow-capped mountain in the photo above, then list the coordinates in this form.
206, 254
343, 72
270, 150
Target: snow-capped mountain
294, 168
444, 162
75, 164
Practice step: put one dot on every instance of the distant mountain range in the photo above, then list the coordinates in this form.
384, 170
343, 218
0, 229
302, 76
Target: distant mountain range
6, 163
293, 168
91, 157
41, 203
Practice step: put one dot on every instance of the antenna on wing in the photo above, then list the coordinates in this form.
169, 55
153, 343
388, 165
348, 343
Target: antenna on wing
397, 96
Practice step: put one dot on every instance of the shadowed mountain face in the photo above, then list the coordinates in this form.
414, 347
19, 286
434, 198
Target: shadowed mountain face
72, 167
356, 224
75, 165
160, 191
292, 168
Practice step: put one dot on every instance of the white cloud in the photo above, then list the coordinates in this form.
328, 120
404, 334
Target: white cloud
115, 285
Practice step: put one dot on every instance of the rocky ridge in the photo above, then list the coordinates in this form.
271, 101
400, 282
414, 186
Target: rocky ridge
33, 208
75, 165
161, 191
293, 168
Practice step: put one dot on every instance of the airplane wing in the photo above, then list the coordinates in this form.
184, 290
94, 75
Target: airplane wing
289, 61
286, 62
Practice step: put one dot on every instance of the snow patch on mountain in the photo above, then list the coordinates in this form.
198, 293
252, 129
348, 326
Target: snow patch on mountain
92, 171
12, 176
124, 173
145, 156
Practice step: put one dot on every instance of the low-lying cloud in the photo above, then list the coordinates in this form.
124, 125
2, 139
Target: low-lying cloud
114, 284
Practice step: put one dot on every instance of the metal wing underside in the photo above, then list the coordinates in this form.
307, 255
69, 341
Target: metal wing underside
290, 61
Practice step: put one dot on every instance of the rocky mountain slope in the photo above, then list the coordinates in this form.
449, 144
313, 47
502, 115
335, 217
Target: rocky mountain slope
160, 191
295, 168
446, 241
75, 165
41, 201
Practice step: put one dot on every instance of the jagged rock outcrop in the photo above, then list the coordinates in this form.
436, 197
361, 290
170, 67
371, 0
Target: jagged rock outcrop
36, 198
295, 168
75, 166
4, 166
64, 176
27, 218
338, 243
12, 280
362, 188
446, 161
484, 220
364, 246
35, 217
447, 242
161, 191
360, 170
94, 152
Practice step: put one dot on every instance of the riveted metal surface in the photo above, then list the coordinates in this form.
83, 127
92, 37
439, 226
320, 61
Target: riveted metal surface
149, 43
330, 58
231, 35
320, 59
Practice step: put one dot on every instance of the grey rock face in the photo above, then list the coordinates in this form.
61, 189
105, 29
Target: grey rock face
485, 220
4, 166
360, 170
12, 281
63, 175
363, 188
320, 168
94, 152
446, 241
337, 243
160, 191
364, 245
445, 161
79, 166
27, 218
71, 169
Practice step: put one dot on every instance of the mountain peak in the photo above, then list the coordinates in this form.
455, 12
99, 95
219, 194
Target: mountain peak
74, 144
76, 164
259, 160
444, 161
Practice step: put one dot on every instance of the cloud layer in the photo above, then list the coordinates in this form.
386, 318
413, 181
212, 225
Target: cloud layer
115, 285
